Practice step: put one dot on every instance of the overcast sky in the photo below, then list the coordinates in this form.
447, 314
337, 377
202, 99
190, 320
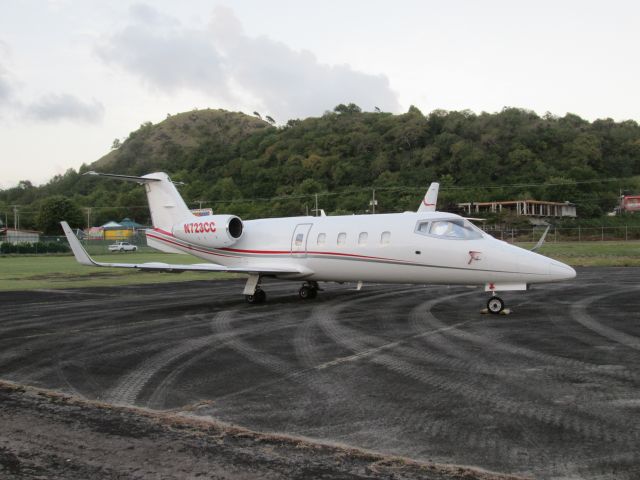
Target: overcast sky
75, 75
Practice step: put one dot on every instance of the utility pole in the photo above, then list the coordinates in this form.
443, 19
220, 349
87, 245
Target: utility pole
16, 218
316, 209
88, 217
373, 202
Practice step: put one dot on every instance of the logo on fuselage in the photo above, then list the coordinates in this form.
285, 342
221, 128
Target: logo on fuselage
200, 227
473, 255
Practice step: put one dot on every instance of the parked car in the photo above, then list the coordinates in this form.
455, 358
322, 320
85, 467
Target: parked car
122, 247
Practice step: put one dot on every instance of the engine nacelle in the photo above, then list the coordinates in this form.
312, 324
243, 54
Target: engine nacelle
215, 231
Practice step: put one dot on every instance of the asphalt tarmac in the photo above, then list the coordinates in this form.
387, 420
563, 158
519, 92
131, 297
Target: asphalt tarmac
550, 391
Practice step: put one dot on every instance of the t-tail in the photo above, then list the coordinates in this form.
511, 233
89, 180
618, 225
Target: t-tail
165, 203
173, 220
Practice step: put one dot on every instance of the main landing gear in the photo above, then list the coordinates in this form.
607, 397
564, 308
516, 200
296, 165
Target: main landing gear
309, 290
259, 296
253, 294
495, 304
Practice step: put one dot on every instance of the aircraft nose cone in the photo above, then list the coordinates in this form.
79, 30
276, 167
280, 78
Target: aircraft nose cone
561, 271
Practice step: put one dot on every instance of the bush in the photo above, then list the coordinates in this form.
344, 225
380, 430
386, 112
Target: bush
33, 248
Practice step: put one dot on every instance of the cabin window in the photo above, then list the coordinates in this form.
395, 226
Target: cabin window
385, 238
454, 229
342, 238
299, 239
322, 238
362, 238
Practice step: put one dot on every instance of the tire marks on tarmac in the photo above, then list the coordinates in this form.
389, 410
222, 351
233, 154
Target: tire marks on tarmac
579, 313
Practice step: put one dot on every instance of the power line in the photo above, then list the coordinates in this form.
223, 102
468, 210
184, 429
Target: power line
352, 191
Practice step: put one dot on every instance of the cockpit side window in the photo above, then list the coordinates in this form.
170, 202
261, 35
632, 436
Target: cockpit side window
456, 229
423, 227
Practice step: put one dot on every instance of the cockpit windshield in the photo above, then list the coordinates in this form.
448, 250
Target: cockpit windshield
457, 228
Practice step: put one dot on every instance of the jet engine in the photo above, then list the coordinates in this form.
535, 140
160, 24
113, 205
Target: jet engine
214, 231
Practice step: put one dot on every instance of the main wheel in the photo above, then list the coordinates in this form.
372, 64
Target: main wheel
495, 305
259, 296
307, 292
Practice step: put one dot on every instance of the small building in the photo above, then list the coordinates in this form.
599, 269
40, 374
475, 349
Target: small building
94, 233
113, 231
202, 212
131, 224
11, 235
118, 231
630, 203
528, 208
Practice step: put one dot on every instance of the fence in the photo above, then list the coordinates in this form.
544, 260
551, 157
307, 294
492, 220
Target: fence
574, 234
59, 244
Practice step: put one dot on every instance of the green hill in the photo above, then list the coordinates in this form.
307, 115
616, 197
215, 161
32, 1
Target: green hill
239, 164
157, 146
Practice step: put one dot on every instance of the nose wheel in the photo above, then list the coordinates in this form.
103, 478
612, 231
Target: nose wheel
495, 305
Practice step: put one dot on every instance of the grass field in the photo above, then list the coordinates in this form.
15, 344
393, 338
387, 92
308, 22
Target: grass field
592, 254
38, 272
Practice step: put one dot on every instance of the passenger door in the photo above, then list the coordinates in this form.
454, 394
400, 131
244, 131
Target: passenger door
299, 240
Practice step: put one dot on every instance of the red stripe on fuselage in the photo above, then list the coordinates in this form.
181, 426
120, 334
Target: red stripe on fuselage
273, 252
188, 247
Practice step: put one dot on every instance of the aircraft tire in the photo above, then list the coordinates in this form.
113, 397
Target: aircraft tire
259, 296
495, 305
306, 292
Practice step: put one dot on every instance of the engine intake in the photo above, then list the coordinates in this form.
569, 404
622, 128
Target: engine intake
215, 231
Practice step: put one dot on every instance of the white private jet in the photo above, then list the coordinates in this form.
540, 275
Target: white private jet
413, 247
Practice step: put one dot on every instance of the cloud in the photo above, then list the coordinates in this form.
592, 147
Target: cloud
229, 65
50, 107
5, 86
56, 107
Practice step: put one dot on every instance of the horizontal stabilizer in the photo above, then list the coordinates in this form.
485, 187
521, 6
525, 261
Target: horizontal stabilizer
127, 178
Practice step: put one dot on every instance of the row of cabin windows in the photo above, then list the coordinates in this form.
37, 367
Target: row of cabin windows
385, 238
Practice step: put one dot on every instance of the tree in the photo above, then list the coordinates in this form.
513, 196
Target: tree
270, 119
347, 109
116, 144
56, 208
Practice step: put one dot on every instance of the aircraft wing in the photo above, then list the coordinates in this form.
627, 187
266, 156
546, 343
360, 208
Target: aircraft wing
430, 199
85, 259
542, 239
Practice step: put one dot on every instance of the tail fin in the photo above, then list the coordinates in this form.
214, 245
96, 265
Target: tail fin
165, 203
430, 199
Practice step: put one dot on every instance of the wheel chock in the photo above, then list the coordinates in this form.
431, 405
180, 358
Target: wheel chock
505, 311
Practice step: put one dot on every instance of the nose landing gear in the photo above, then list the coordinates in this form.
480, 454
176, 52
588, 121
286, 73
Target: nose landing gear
495, 304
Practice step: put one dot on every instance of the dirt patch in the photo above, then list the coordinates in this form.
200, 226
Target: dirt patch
44, 433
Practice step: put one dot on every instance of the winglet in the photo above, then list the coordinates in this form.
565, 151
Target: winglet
542, 238
430, 199
76, 247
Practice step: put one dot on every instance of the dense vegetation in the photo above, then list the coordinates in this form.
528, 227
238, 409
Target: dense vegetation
239, 164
